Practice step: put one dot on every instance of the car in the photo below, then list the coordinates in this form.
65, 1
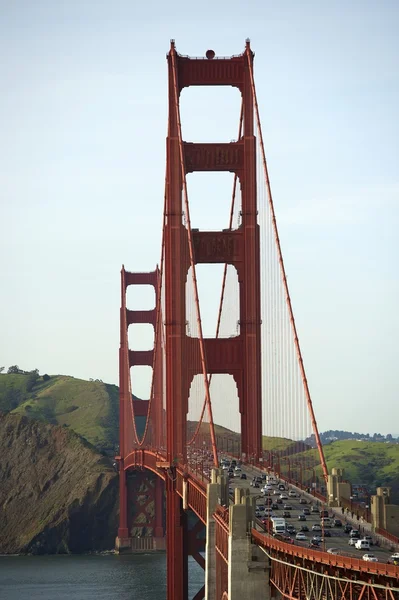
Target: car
324, 513
291, 529
327, 533
283, 497
276, 492
316, 528
306, 511
303, 501
301, 537
337, 523
243, 476
287, 507
313, 544
279, 501
362, 545
304, 528
347, 528
287, 514
354, 534
292, 494
369, 539
275, 506
314, 509
395, 556
317, 538
370, 558
237, 469
281, 487
256, 485
352, 542
301, 518
283, 538
333, 551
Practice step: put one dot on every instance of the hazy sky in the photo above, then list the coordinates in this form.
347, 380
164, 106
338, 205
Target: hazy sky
83, 110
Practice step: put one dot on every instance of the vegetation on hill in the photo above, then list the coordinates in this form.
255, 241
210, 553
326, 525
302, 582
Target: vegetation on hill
91, 408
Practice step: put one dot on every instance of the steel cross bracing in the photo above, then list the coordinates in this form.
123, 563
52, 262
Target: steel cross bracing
179, 452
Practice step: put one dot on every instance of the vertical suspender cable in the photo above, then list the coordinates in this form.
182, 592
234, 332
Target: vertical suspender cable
192, 262
284, 277
232, 206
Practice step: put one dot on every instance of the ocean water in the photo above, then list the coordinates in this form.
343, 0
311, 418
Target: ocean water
89, 577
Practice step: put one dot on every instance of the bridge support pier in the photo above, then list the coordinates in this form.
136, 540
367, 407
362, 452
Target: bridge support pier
123, 540
248, 571
217, 493
176, 545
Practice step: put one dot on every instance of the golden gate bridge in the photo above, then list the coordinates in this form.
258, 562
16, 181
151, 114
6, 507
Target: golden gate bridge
243, 392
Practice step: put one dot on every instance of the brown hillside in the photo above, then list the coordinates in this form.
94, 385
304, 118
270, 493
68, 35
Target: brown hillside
57, 494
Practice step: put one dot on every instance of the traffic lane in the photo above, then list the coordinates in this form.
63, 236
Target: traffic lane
337, 538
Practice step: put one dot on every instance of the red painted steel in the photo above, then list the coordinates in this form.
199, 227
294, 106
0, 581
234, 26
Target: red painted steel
282, 268
177, 358
333, 562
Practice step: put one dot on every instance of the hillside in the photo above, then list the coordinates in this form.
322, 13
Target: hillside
372, 464
91, 408
57, 494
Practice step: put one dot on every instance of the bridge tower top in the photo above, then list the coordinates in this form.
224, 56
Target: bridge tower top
182, 250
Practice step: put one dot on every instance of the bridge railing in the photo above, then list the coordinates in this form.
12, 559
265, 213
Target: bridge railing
387, 535
221, 517
332, 560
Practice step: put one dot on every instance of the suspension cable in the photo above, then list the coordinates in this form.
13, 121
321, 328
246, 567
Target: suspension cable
283, 273
158, 331
192, 261
222, 292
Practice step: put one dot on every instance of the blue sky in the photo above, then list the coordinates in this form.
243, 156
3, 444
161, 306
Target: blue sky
83, 115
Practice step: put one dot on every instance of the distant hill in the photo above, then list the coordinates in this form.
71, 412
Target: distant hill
337, 434
90, 408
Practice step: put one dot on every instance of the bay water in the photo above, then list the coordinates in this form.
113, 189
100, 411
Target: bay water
89, 577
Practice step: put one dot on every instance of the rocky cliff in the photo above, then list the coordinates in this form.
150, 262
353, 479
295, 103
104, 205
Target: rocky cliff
57, 493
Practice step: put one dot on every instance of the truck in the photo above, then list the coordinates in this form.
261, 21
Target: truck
278, 524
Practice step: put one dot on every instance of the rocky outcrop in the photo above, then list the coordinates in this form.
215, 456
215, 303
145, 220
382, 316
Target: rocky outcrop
57, 494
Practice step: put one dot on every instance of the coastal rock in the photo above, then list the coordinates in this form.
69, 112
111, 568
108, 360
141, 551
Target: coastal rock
57, 493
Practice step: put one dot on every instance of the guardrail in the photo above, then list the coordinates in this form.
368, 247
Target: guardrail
331, 560
387, 535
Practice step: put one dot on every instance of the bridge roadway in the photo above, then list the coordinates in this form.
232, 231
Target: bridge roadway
338, 539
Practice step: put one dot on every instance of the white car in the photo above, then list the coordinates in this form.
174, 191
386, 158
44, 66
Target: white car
352, 542
292, 494
316, 528
370, 558
301, 537
283, 496
333, 551
395, 556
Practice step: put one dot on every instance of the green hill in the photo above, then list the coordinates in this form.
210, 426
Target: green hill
371, 463
91, 408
